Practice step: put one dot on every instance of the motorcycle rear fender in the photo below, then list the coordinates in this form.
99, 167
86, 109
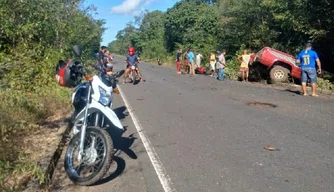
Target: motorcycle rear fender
108, 113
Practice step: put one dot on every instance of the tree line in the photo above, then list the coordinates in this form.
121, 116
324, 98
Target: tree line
36, 33
207, 25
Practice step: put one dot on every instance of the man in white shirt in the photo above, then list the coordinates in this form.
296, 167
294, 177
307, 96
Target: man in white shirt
199, 58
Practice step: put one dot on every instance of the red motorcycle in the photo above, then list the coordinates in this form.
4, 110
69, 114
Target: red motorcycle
133, 75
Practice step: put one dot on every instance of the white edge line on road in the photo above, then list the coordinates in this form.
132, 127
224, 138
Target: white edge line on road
159, 169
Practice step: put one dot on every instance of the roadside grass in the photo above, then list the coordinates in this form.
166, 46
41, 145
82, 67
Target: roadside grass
23, 123
32, 109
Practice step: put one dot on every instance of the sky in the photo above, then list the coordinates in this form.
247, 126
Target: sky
117, 13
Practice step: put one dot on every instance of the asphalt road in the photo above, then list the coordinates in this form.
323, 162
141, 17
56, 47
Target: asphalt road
208, 137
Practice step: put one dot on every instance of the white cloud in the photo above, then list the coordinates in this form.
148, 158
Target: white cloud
138, 12
126, 7
131, 6
148, 2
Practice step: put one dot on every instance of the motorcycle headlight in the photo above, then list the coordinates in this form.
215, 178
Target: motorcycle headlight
105, 97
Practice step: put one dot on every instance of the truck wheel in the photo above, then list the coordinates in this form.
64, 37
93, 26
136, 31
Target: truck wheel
279, 74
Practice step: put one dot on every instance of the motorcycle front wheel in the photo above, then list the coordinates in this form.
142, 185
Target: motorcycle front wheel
134, 77
96, 160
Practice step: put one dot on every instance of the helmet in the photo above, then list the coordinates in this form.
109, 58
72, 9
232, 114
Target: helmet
66, 74
131, 50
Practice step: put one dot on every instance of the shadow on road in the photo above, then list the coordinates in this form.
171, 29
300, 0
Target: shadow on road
119, 170
120, 112
293, 91
136, 82
121, 144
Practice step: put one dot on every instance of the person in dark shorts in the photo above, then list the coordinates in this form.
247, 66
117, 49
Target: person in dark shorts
101, 58
186, 62
308, 58
178, 61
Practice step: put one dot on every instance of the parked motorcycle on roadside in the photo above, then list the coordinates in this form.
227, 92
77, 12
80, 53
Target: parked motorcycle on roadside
90, 151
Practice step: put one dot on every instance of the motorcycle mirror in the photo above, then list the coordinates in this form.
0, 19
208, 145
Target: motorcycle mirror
77, 50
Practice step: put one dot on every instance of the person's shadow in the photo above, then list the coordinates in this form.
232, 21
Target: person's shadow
121, 144
294, 91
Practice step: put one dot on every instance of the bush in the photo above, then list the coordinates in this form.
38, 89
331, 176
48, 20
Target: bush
29, 95
325, 84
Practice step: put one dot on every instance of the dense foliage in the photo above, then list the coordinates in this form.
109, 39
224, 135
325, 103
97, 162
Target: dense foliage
207, 25
34, 35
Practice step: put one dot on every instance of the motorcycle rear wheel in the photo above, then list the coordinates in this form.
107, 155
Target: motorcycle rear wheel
97, 164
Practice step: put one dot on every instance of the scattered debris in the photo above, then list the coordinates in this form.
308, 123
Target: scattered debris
261, 105
270, 148
140, 99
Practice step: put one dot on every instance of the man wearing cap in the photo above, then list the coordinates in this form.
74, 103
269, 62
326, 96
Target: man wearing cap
307, 59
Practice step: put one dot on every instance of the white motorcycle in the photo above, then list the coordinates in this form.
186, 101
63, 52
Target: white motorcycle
90, 151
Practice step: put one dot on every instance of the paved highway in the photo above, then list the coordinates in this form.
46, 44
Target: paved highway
199, 134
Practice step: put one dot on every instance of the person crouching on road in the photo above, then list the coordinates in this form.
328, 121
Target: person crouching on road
307, 58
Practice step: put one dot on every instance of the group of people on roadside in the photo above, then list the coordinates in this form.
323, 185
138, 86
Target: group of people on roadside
217, 63
105, 59
191, 61
308, 59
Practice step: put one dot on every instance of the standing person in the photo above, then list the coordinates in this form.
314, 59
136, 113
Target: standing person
108, 61
217, 63
199, 58
101, 58
244, 59
222, 65
191, 59
307, 58
252, 57
178, 61
186, 62
212, 62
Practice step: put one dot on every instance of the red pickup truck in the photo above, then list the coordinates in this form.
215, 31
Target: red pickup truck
280, 65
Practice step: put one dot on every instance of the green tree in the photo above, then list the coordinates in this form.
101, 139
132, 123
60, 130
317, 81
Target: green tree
215, 24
